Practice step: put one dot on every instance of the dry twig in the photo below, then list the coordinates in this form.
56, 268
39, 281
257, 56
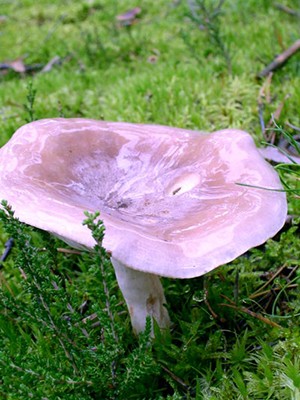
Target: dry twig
280, 59
69, 251
278, 272
268, 291
252, 314
214, 315
175, 377
271, 135
287, 10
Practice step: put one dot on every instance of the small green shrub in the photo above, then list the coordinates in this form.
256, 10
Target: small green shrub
51, 347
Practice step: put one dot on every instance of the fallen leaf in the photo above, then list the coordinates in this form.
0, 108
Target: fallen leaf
128, 17
152, 59
16, 65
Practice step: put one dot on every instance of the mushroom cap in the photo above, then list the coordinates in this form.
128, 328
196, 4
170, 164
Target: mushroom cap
169, 198
279, 155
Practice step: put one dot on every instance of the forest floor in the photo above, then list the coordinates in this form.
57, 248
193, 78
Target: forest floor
192, 64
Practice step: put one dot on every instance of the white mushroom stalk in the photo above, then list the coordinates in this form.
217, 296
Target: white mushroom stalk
144, 296
169, 198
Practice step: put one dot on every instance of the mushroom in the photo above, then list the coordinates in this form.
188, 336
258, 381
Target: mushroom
279, 155
175, 203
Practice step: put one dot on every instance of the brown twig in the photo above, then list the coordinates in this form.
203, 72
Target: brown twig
287, 10
228, 299
276, 289
252, 314
68, 251
280, 59
90, 318
214, 315
175, 377
271, 136
278, 272
292, 272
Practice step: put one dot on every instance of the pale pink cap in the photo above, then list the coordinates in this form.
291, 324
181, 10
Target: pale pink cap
170, 198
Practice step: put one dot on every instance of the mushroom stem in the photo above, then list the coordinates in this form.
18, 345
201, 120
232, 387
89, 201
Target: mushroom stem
144, 296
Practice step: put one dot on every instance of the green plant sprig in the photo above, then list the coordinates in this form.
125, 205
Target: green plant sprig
57, 350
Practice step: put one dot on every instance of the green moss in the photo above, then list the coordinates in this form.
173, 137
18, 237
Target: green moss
163, 69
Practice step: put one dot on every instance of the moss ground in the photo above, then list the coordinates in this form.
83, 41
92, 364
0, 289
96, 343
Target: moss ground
170, 67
